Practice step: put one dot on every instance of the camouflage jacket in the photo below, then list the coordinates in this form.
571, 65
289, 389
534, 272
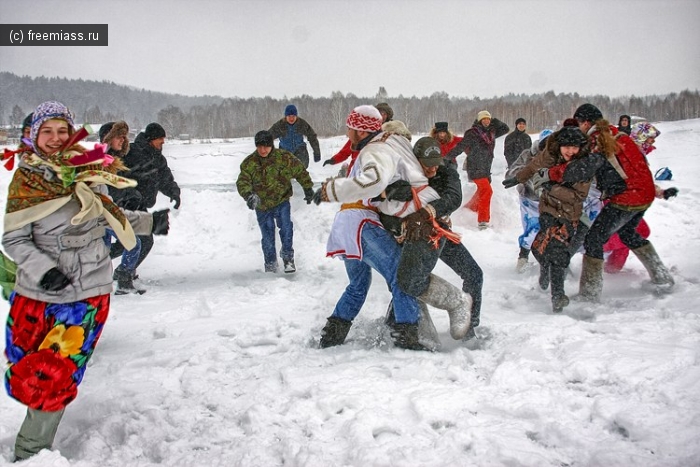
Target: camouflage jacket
271, 177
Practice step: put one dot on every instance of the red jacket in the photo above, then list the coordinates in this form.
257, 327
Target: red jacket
345, 152
640, 182
447, 147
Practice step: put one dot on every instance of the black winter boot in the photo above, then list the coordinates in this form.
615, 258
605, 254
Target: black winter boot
557, 275
334, 332
125, 282
405, 336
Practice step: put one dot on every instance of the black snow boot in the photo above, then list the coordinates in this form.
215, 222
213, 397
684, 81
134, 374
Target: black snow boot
405, 336
334, 332
125, 282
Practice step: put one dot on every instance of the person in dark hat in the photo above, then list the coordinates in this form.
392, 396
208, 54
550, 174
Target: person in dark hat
291, 131
444, 179
149, 167
624, 176
447, 141
624, 124
516, 142
265, 183
560, 205
116, 136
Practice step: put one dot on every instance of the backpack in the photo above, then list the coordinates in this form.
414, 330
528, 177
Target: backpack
8, 270
664, 173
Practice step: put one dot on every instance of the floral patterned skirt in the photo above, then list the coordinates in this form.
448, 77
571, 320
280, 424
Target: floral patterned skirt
48, 346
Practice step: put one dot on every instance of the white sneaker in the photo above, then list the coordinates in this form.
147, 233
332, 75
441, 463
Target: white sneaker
521, 266
483, 225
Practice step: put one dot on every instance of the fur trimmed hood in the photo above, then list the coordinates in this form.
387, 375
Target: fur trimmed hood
112, 130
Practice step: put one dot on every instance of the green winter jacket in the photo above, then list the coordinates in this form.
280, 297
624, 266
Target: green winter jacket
271, 177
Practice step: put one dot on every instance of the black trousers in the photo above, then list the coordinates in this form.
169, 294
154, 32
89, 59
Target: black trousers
458, 258
609, 221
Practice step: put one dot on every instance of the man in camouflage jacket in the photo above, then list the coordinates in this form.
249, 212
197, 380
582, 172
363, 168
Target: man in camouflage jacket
265, 185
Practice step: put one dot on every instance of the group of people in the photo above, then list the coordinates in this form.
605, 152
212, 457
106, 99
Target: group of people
589, 182
71, 210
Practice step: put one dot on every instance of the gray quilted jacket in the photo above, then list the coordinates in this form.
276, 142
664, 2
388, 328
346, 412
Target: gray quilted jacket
78, 251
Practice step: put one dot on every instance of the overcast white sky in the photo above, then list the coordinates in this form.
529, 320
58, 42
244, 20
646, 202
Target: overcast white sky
278, 48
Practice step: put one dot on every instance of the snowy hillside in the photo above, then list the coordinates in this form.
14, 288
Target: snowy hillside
218, 365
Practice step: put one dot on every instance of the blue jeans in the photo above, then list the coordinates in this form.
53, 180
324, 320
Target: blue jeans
129, 257
381, 253
280, 215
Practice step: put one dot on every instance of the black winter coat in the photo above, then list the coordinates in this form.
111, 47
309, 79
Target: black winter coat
148, 166
478, 144
515, 143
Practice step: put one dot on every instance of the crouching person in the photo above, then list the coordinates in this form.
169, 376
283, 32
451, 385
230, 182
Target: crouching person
55, 223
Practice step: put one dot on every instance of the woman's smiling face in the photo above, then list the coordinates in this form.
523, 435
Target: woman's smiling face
52, 135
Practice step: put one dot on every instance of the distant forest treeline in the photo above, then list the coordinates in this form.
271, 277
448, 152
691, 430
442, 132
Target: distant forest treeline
217, 117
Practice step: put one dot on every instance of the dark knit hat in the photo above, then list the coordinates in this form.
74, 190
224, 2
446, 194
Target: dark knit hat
427, 151
520, 120
570, 136
441, 126
154, 131
384, 107
570, 122
291, 109
264, 138
588, 113
27, 123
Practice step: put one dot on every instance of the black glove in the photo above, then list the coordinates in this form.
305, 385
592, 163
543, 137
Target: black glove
54, 280
328, 162
176, 198
419, 226
161, 222
308, 195
510, 182
317, 158
400, 190
253, 201
318, 196
670, 192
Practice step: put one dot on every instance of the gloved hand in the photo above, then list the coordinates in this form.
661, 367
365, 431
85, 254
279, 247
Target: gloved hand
328, 162
670, 192
419, 226
176, 198
317, 158
253, 201
510, 182
540, 179
400, 190
54, 280
319, 195
161, 222
308, 195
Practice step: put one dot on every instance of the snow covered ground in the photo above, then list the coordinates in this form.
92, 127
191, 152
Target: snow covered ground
218, 365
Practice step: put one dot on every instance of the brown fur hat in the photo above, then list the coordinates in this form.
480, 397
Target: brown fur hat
111, 130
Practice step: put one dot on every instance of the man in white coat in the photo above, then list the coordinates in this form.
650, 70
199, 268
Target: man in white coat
383, 159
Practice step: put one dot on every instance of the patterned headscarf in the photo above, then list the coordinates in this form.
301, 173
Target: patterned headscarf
641, 132
48, 111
